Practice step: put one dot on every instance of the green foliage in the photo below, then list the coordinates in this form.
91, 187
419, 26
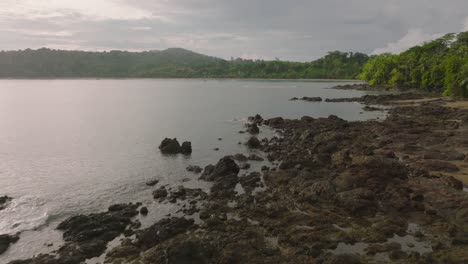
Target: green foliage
439, 66
170, 63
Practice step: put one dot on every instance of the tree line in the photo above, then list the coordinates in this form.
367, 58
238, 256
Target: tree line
170, 63
439, 66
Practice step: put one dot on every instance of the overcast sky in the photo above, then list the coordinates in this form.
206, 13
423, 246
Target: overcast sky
288, 29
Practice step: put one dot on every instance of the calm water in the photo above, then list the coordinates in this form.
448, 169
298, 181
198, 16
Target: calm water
77, 146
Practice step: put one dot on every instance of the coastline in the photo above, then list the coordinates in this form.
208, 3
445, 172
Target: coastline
393, 186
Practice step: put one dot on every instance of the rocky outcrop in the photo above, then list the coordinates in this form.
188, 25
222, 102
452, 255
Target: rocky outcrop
6, 240
172, 146
253, 129
253, 143
4, 201
194, 169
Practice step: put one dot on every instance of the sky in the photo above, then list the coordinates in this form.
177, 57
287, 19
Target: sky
299, 30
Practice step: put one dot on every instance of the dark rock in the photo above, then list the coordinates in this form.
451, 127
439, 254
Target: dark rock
257, 119
244, 166
161, 231
152, 182
3, 201
144, 211
254, 143
239, 157
194, 169
6, 240
437, 165
312, 99
186, 148
225, 166
294, 99
255, 157
160, 193
170, 146
253, 129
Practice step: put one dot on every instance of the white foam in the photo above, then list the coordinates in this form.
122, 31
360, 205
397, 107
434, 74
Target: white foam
23, 213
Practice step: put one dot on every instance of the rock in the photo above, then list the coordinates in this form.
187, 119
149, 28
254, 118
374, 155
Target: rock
254, 143
294, 99
186, 148
257, 119
216, 149
194, 169
6, 240
437, 165
144, 211
3, 201
160, 193
274, 122
161, 231
152, 182
170, 146
250, 182
244, 166
225, 166
239, 157
312, 99
253, 129
254, 157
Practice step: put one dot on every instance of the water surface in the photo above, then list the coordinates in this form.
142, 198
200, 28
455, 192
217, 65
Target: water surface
77, 146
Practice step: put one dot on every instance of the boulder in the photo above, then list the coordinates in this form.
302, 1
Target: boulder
186, 148
225, 166
6, 240
257, 119
170, 146
253, 129
254, 143
239, 157
438, 165
3, 201
194, 169
152, 182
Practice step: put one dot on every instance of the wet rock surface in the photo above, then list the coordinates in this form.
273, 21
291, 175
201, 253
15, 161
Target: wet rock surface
172, 146
6, 240
334, 192
4, 200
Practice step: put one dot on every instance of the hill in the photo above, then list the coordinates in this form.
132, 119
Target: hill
169, 63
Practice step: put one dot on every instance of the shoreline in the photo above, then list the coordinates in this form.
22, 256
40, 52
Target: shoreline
393, 187
208, 79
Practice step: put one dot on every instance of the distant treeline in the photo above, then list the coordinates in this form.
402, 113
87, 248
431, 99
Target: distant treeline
170, 63
439, 66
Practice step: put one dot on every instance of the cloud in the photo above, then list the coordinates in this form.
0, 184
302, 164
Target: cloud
92, 9
465, 25
293, 30
413, 37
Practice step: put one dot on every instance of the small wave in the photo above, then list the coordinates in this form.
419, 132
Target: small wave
23, 213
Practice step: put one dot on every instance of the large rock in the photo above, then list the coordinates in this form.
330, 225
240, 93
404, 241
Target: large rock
170, 146
254, 143
253, 129
3, 201
186, 148
5, 241
225, 166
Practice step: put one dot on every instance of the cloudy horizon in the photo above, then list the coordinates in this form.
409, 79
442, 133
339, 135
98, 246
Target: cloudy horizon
264, 29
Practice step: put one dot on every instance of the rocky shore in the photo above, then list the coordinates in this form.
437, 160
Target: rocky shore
335, 191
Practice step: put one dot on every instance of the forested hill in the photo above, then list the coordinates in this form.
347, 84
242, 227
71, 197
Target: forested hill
170, 63
439, 66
